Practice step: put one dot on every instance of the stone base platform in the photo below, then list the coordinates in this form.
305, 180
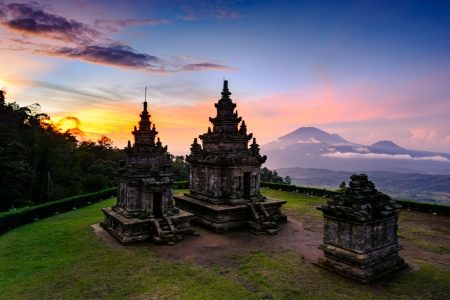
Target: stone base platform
132, 230
362, 267
223, 217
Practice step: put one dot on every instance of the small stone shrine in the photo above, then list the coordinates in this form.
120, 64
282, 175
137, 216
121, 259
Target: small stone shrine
225, 176
360, 232
145, 208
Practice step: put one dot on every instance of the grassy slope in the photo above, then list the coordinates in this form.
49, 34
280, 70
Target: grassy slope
61, 257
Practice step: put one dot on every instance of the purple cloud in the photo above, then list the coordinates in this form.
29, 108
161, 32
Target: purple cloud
205, 66
204, 9
89, 44
131, 22
31, 19
115, 55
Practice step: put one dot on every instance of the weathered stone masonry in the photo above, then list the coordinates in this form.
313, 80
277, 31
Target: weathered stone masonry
145, 208
225, 176
360, 232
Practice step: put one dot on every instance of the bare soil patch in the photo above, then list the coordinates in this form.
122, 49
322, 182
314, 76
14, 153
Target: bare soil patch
424, 237
209, 246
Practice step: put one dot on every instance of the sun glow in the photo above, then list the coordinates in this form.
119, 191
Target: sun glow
92, 123
3, 84
176, 125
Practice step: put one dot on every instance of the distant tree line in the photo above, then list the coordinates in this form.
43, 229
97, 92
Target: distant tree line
38, 163
272, 176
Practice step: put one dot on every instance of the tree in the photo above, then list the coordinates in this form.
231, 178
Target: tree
181, 168
270, 176
105, 142
2, 97
342, 187
287, 180
39, 163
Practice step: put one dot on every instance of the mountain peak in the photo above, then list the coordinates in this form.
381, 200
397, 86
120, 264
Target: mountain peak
309, 133
385, 144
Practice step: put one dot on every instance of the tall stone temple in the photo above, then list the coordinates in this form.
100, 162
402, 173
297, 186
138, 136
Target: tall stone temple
360, 232
145, 208
225, 176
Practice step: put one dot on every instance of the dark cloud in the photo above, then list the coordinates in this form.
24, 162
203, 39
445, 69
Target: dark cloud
29, 18
198, 10
131, 22
87, 44
205, 66
116, 55
74, 119
75, 130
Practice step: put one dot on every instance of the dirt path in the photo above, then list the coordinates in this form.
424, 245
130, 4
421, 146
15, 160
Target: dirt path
209, 246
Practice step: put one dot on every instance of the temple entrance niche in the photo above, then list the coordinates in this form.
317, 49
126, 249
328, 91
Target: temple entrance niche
157, 205
247, 185
144, 208
224, 180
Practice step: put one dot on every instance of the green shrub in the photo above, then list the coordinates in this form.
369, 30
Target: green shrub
18, 217
411, 205
177, 185
298, 189
425, 207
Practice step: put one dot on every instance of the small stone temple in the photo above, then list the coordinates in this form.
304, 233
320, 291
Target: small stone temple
145, 208
225, 176
360, 232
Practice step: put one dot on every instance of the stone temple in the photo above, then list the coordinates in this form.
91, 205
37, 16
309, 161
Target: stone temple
225, 176
145, 208
360, 232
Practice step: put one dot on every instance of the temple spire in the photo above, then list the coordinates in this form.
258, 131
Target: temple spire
145, 100
225, 92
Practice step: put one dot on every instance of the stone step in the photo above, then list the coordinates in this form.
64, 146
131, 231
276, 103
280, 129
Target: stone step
270, 224
263, 227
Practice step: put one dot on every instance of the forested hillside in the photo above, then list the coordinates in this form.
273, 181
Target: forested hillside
39, 163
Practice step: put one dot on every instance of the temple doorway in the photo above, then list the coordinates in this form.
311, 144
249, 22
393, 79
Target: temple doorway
247, 185
157, 205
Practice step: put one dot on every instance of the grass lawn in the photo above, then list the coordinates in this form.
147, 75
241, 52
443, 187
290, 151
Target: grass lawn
61, 257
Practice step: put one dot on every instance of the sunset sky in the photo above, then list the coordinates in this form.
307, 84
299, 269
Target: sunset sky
366, 70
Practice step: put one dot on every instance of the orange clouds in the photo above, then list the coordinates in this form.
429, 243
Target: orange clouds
113, 121
177, 125
268, 117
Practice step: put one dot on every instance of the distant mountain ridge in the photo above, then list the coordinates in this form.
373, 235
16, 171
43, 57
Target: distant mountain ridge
310, 147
